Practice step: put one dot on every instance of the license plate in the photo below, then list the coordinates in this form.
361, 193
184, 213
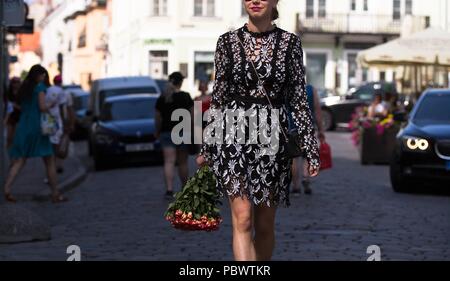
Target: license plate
140, 147
448, 165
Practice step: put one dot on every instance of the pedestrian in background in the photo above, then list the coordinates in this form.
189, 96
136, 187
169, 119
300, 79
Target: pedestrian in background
173, 99
378, 109
254, 64
299, 165
63, 113
12, 109
29, 142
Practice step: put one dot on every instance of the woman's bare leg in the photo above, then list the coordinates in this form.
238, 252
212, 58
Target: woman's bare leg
183, 167
14, 170
169, 166
264, 232
243, 246
50, 166
295, 174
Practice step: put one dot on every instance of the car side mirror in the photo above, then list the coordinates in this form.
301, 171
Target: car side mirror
400, 117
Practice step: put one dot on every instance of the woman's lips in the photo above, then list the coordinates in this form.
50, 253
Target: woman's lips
256, 9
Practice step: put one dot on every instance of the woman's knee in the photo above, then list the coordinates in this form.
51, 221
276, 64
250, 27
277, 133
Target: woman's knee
243, 222
242, 218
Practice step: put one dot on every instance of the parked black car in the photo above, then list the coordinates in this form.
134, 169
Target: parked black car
125, 128
337, 110
422, 150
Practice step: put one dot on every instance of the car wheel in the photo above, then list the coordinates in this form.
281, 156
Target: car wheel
328, 120
398, 181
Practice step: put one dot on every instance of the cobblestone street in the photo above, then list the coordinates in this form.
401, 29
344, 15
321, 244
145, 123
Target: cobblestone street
118, 215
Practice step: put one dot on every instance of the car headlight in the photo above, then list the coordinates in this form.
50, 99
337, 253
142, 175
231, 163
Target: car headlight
104, 137
416, 144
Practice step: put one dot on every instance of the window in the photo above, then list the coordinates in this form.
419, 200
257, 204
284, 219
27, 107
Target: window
82, 38
159, 7
366, 5
396, 15
352, 70
353, 5
198, 8
408, 7
159, 64
316, 69
137, 109
309, 8
204, 8
203, 66
322, 8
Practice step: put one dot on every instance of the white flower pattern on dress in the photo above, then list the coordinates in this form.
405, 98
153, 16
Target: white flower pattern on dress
243, 170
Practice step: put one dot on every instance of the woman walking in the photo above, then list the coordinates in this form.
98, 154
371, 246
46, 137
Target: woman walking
255, 60
29, 142
300, 167
171, 100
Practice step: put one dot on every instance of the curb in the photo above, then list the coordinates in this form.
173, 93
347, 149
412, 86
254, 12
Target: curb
67, 185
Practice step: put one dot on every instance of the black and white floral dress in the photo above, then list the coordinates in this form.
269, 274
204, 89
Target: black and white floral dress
244, 169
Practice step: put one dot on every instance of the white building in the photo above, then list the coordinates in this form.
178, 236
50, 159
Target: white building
333, 32
55, 35
156, 37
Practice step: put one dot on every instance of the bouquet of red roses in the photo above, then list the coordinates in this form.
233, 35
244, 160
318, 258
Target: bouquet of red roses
195, 207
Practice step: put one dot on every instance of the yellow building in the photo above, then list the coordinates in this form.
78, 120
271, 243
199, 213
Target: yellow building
87, 50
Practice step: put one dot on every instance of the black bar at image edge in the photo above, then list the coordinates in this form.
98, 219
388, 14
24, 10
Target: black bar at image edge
226, 270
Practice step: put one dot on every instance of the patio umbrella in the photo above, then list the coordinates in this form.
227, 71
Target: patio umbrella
426, 48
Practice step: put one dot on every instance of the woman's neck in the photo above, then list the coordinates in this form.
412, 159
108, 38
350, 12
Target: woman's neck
259, 26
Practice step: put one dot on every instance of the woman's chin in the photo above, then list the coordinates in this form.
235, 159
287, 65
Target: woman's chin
258, 17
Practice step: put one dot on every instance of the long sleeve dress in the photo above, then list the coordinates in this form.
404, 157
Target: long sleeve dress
243, 168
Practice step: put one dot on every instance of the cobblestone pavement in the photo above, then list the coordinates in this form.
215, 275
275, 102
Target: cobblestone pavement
118, 215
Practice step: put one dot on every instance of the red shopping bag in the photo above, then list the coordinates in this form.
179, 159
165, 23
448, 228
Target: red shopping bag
325, 156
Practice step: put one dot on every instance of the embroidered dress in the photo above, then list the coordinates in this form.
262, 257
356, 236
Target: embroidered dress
244, 168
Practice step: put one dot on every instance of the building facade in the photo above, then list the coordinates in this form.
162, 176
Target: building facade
333, 33
54, 33
160, 36
85, 57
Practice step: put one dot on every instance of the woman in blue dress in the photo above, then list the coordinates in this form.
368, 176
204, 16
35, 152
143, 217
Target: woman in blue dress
28, 141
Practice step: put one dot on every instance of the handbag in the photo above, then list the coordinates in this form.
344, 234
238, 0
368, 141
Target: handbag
292, 138
325, 156
62, 149
49, 126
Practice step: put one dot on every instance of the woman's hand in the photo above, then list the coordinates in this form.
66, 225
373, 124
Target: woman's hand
313, 171
201, 161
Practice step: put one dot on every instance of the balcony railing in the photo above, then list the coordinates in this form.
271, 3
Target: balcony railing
350, 23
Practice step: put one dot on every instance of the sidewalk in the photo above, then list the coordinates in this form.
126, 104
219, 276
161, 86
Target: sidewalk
30, 183
17, 223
